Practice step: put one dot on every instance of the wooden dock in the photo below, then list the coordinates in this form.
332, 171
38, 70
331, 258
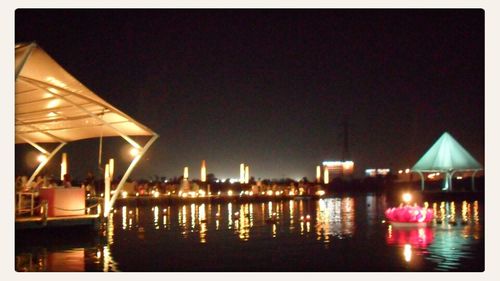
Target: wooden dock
38, 222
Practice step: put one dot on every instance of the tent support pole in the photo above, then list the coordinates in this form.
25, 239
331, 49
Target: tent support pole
127, 174
473, 180
43, 163
422, 181
451, 180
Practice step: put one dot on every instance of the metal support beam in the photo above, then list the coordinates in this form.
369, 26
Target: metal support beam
43, 163
25, 59
35, 145
127, 174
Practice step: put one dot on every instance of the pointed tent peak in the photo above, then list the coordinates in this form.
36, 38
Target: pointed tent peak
446, 154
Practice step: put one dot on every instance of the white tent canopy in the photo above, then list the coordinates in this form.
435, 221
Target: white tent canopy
446, 155
53, 107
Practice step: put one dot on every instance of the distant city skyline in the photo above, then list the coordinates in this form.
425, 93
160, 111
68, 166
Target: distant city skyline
270, 88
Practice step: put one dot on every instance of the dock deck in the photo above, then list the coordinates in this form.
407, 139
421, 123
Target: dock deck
37, 222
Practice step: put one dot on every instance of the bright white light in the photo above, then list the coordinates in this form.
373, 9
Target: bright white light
134, 151
400, 171
156, 194
124, 194
55, 82
53, 103
332, 163
407, 170
230, 193
41, 158
406, 197
270, 193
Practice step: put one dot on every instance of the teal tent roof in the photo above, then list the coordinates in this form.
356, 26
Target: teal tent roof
446, 154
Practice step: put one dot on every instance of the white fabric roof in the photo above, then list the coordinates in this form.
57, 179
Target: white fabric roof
446, 154
52, 106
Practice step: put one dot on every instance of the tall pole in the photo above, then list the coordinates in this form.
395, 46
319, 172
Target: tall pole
107, 188
64, 165
111, 168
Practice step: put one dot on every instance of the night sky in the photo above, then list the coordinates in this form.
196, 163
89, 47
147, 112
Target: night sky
271, 88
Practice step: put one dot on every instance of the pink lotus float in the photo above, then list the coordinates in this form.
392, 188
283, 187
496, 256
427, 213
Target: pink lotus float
408, 215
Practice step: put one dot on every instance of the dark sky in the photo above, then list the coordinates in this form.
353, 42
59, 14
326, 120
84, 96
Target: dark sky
272, 87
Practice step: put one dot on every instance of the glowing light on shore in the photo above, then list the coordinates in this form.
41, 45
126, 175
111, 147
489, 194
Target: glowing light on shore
203, 171
320, 192
230, 193
318, 173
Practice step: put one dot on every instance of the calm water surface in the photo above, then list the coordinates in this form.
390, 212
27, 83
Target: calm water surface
341, 234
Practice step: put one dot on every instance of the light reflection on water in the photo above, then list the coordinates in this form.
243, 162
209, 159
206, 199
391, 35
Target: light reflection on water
445, 245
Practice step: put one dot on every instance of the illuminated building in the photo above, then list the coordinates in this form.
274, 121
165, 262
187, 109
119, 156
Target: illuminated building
242, 173
203, 171
326, 176
186, 173
376, 172
339, 168
247, 174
